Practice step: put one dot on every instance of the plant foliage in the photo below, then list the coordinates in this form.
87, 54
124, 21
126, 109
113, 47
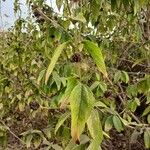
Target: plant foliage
77, 76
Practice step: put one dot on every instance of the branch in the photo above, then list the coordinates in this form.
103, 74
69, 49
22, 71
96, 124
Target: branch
54, 22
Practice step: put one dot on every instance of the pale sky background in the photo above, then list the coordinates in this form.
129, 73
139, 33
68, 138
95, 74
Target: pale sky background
7, 16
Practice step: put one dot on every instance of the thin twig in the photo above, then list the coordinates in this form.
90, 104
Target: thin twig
55, 23
123, 102
68, 7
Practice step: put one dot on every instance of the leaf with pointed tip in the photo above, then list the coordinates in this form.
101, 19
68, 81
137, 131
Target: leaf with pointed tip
81, 102
57, 79
41, 74
95, 128
71, 83
54, 60
117, 123
97, 56
146, 111
61, 121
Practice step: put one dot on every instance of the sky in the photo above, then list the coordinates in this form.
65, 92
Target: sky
7, 16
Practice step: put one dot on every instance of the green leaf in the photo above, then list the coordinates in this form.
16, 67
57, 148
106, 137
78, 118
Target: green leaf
103, 87
97, 56
143, 85
61, 121
94, 85
71, 83
81, 102
95, 128
147, 138
57, 79
124, 77
95, 7
41, 74
79, 17
132, 90
133, 104
108, 123
117, 123
146, 111
54, 60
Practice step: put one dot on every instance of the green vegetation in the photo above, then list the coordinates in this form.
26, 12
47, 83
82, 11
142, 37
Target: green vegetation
78, 80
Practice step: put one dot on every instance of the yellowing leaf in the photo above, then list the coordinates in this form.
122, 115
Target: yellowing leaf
95, 128
97, 56
81, 102
54, 60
